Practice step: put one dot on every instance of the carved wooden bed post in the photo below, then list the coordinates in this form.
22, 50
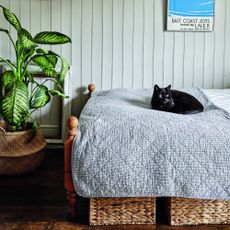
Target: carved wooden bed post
68, 180
91, 88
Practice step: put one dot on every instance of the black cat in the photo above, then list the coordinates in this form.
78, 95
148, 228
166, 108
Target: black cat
174, 101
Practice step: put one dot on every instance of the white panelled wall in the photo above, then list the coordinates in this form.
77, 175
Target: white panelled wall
123, 43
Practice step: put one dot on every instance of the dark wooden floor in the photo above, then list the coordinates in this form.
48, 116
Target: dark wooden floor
36, 201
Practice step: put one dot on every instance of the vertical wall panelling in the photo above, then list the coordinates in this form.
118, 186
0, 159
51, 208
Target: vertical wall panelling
86, 41
148, 43
198, 59
178, 59
138, 41
117, 43
188, 59
168, 55
219, 44
208, 60
97, 42
76, 67
227, 46
66, 28
169, 47
159, 36
24, 13
128, 43
107, 44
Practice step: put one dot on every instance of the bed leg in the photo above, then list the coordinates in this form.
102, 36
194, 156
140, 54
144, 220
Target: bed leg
68, 180
72, 205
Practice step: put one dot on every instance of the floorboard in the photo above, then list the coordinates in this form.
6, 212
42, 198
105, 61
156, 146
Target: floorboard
36, 201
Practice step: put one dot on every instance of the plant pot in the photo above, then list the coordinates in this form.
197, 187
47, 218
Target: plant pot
21, 152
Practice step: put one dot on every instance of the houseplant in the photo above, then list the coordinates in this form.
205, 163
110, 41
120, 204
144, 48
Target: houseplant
21, 95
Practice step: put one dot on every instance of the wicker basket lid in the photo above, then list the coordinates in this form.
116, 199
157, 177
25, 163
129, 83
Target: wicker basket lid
23, 143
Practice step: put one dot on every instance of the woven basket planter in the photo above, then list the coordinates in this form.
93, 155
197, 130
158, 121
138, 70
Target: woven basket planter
21, 152
183, 211
115, 211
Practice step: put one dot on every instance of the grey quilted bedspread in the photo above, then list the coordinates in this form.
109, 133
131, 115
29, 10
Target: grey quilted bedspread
125, 149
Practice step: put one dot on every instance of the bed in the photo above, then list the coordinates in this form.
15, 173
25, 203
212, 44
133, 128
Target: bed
109, 158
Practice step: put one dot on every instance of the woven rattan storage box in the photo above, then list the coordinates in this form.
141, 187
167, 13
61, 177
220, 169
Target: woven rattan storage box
183, 211
114, 211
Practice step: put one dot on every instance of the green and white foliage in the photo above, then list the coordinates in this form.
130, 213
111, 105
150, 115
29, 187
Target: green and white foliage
16, 101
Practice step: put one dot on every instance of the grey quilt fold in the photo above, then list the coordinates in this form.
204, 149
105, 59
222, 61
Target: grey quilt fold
125, 149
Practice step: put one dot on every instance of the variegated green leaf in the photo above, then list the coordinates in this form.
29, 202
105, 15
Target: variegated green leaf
41, 51
64, 69
47, 63
11, 18
49, 72
25, 39
52, 38
14, 105
28, 53
58, 93
42, 61
52, 59
41, 97
7, 78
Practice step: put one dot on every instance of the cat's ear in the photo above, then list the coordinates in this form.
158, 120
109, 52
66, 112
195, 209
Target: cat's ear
168, 87
156, 87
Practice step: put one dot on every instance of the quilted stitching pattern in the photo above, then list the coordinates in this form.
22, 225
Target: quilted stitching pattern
125, 149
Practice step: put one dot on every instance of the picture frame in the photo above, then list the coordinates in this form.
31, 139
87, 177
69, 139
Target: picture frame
190, 15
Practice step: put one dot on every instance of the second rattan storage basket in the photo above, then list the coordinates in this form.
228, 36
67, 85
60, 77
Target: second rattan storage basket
114, 211
183, 211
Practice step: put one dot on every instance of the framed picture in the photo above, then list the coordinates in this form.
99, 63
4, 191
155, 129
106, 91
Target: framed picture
190, 15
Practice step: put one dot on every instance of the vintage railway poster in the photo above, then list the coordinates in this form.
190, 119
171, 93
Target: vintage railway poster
190, 15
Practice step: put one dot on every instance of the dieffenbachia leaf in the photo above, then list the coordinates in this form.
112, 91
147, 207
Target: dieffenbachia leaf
11, 18
41, 51
64, 69
14, 105
27, 53
52, 59
47, 63
49, 72
40, 98
42, 61
7, 78
25, 39
58, 93
51, 38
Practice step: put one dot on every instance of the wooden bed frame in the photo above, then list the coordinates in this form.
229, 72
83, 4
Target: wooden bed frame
68, 180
